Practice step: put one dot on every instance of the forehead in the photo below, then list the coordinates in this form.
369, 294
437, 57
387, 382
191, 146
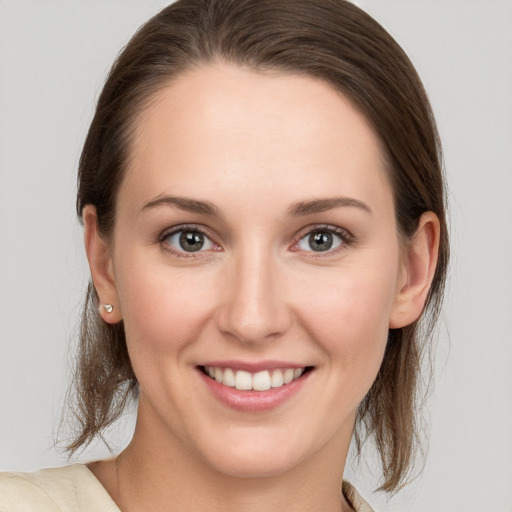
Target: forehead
221, 124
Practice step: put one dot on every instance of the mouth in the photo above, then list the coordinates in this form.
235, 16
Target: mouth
264, 380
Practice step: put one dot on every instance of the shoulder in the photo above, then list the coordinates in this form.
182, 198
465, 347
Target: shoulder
18, 493
65, 489
355, 499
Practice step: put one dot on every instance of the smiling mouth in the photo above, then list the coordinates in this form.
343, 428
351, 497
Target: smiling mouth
259, 381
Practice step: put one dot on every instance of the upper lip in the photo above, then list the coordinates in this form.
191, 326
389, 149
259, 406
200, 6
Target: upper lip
253, 366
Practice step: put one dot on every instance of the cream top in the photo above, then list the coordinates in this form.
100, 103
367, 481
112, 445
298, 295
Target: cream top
75, 489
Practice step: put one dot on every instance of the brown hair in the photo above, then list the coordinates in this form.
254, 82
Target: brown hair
328, 39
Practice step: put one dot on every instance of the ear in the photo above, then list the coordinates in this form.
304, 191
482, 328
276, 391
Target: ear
100, 262
418, 267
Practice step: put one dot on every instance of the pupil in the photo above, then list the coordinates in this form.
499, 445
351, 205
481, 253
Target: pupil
191, 241
321, 241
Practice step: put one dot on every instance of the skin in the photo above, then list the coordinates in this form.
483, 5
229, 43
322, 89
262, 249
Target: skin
253, 144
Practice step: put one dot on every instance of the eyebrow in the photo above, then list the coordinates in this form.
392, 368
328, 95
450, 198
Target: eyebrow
297, 209
322, 205
184, 203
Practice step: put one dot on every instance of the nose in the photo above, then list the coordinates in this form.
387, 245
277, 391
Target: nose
253, 308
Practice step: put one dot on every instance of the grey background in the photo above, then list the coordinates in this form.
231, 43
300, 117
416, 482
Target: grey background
53, 59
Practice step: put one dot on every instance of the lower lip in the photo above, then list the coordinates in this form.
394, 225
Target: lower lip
254, 400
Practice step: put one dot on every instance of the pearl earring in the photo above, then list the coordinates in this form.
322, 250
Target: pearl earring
108, 308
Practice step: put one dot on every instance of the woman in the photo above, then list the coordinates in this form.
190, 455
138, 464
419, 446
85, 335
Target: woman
263, 209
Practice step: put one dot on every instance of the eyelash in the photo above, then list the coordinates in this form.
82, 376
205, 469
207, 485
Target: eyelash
193, 228
345, 237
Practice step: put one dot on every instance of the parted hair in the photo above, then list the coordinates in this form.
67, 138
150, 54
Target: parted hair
331, 40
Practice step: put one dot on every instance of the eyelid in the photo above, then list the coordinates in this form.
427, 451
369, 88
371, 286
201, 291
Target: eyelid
345, 235
186, 227
183, 227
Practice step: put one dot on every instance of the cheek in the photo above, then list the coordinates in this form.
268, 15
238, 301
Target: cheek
349, 319
163, 310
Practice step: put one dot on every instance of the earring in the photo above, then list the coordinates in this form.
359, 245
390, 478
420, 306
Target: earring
108, 308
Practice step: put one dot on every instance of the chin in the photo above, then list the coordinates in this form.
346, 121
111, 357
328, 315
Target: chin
254, 465
257, 457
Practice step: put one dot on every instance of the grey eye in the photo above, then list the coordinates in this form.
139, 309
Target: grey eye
189, 241
320, 241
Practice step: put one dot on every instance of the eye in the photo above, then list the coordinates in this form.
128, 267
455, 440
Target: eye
321, 240
188, 240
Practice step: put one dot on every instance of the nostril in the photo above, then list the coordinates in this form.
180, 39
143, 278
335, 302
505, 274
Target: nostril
254, 324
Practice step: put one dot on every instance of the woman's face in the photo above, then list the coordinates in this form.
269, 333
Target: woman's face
255, 239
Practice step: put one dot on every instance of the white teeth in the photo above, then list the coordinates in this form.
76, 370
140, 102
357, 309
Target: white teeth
277, 379
229, 378
288, 375
243, 380
260, 381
